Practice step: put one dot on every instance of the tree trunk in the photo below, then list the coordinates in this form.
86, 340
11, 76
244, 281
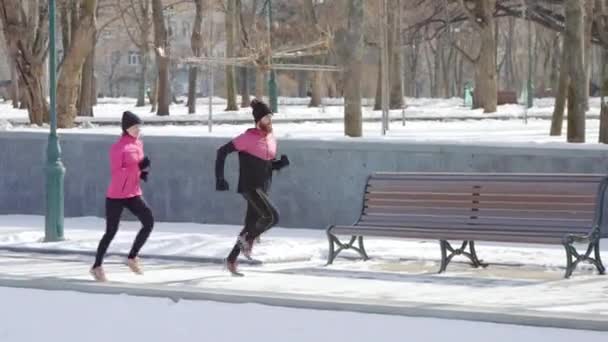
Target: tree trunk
163, 92
301, 76
554, 78
486, 87
196, 41
259, 83
509, 77
244, 80
588, 48
38, 108
163, 96
575, 32
437, 71
87, 93
603, 138
26, 35
378, 98
153, 95
317, 85
557, 119
394, 50
143, 72
429, 66
14, 84
65, 12
349, 48
81, 45
602, 26
230, 45
192, 80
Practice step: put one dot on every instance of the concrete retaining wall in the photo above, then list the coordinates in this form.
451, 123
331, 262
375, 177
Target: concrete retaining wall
323, 185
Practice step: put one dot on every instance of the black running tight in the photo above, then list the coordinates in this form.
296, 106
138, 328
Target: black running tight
114, 208
261, 216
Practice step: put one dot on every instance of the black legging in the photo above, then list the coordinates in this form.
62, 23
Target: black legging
261, 216
114, 208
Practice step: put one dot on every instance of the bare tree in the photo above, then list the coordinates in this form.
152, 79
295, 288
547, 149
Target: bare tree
349, 49
575, 33
162, 58
25, 27
317, 76
230, 20
481, 16
601, 19
137, 21
81, 45
196, 41
88, 93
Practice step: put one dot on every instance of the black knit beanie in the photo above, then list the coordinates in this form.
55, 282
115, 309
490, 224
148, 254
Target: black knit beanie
129, 120
260, 110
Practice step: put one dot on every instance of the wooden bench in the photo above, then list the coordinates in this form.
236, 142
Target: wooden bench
520, 208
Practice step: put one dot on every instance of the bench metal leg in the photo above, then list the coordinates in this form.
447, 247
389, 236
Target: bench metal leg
335, 242
472, 254
573, 257
600, 266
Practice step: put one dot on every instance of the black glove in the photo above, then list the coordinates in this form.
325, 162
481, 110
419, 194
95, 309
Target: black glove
281, 163
284, 161
144, 176
144, 163
221, 185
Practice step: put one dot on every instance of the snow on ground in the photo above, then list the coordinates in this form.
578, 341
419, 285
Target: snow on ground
496, 132
512, 131
294, 263
76, 317
279, 245
297, 108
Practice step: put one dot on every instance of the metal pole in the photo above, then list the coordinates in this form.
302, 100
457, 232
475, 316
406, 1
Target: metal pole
55, 170
385, 70
210, 67
272, 83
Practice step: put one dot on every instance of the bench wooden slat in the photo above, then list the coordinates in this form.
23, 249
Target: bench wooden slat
487, 212
463, 219
571, 177
488, 188
399, 196
379, 204
448, 231
479, 227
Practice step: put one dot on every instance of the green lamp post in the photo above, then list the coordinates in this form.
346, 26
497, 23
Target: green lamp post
55, 170
272, 82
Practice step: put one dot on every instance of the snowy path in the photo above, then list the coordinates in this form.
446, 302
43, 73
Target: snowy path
401, 274
58, 316
497, 287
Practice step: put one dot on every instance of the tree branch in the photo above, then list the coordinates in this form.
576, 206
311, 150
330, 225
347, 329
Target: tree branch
466, 54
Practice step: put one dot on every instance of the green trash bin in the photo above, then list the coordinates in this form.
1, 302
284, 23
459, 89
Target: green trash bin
468, 95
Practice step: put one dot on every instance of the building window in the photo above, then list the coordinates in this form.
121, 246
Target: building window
134, 58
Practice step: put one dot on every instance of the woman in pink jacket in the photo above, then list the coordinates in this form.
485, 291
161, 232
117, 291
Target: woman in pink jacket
127, 165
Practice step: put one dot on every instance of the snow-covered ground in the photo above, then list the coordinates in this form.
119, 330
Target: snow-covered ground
511, 131
31, 315
297, 108
400, 270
